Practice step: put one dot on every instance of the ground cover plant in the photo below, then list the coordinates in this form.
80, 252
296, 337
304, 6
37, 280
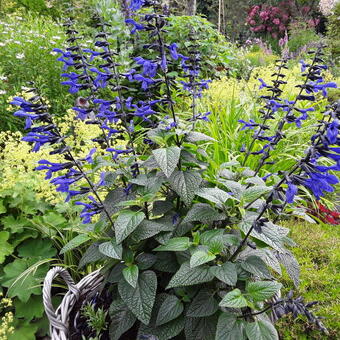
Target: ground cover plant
187, 254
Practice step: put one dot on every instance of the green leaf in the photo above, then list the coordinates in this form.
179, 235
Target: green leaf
254, 192
203, 304
131, 275
149, 228
226, 273
175, 244
254, 265
37, 248
234, 299
204, 213
35, 310
112, 200
111, 249
75, 242
140, 300
185, 183
229, 328
262, 290
200, 257
214, 195
187, 276
127, 221
170, 309
92, 254
145, 260
200, 328
288, 260
2, 208
167, 159
5, 247
164, 332
121, 318
261, 330
193, 137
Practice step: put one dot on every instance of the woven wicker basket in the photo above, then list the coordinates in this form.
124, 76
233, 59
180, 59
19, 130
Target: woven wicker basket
59, 318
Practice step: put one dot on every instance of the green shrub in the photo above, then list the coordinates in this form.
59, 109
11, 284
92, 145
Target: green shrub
318, 253
26, 54
333, 34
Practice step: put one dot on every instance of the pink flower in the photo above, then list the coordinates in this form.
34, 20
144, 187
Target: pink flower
276, 21
264, 15
282, 28
269, 28
285, 17
252, 22
274, 35
313, 22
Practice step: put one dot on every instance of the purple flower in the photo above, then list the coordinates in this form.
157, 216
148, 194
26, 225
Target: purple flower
263, 84
173, 51
291, 192
136, 25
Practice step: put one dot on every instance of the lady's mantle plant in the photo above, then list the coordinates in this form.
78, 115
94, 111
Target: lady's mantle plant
185, 256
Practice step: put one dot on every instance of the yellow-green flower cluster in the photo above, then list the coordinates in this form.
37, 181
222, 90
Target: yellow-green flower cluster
6, 321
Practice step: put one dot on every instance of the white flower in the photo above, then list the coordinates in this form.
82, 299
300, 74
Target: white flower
56, 37
17, 42
3, 92
20, 56
52, 42
327, 6
2, 44
3, 78
53, 53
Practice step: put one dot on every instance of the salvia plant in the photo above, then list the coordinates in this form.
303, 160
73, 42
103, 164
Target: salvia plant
185, 255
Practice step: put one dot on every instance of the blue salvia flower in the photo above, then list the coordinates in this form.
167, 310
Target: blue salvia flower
136, 25
248, 125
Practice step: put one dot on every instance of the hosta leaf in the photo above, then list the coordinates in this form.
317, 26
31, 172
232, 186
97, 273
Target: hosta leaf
185, 183
229, 328
214, 195
175, 244
234, 299
226, 273
75, 242
200, 257
193, 137
254, 265
140, 300
167, 159
126, 223
203, 304
187, 276
111, 249
262, 290
122, 319
261, 330
203, 213
170, 309
200, 328
254, 192
131, 275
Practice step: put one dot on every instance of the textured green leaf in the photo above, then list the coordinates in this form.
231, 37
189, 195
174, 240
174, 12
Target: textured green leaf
261, 330
170, 309
187, 276
92, 254
166, 262
200, 257
185, 183
111, 249
262, 290
254, 192
203, 304
288, 260
204, 213
200, 328
194, 136
149, 228
140, 300
175, 244
131, 275
167, 159
254, 265
112, 200
235, 187
75, 242
226, 273
229, 328
116, 274
5, 247
122, 319
164, 332
214, 195
145, 260
162, 207
127, 221
234, 299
